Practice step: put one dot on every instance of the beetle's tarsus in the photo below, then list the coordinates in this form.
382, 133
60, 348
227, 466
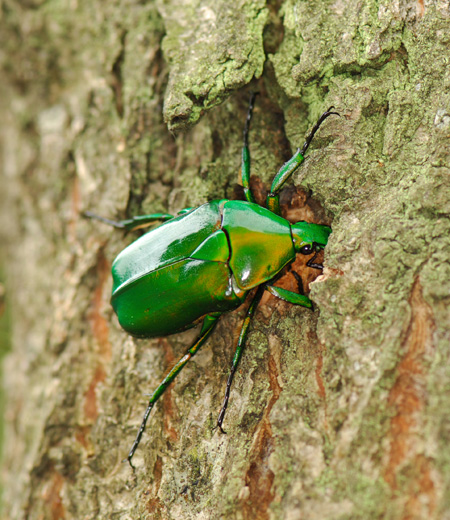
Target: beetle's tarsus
220, 428
128, 459
114, 223
316, 127
329, 112
310, 263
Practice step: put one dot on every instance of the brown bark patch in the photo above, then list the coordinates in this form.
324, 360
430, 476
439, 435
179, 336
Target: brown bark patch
421, 495
100, 331
420, 8
408, 398
274, 385
259, 477
320, 385
98, 322
259, 190
52, 497
81, 434
90, 397
154, 504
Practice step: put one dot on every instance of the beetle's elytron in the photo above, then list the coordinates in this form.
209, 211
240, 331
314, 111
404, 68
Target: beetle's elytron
205, 261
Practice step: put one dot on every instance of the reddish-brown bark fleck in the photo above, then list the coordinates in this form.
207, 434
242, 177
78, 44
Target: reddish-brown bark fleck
98, 322
90, 397
52, 497
420, 8
321, 387
259, 477
154, 505
408, 397
101, 331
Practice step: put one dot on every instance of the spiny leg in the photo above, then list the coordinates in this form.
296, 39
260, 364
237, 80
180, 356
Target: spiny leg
290, 296
312, 263
238, 352
245, 168
140, 221
289, 167
299, 281
131, 223
296, 298
207, 327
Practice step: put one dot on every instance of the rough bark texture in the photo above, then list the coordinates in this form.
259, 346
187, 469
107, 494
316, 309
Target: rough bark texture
343, 413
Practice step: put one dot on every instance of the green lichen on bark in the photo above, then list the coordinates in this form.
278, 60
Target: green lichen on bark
212, 48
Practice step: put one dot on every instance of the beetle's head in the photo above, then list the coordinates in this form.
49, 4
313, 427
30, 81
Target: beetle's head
310, 238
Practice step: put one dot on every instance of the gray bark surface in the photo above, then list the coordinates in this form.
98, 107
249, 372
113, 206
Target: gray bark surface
125, 108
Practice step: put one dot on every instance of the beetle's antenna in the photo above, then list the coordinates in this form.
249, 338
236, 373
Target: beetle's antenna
316, 127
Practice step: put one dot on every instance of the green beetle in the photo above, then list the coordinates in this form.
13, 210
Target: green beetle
205, 261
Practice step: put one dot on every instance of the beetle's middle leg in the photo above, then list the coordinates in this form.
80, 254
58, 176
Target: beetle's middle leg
238, 352
291, 297
208, 325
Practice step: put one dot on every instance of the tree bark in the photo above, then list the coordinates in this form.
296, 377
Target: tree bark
126, 108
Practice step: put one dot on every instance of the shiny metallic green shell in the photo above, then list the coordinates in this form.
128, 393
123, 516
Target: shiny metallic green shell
199, 263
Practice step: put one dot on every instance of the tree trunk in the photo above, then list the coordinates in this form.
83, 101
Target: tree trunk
126, 108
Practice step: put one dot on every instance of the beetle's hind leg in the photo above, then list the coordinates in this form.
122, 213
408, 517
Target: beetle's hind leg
238, 353
208, 325
140, 221
131, 223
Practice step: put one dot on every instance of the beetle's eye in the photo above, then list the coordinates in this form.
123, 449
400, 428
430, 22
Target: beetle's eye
306, 250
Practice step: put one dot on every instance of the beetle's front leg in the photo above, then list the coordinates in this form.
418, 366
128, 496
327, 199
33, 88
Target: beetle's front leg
289, 167
284, 173
290, 296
